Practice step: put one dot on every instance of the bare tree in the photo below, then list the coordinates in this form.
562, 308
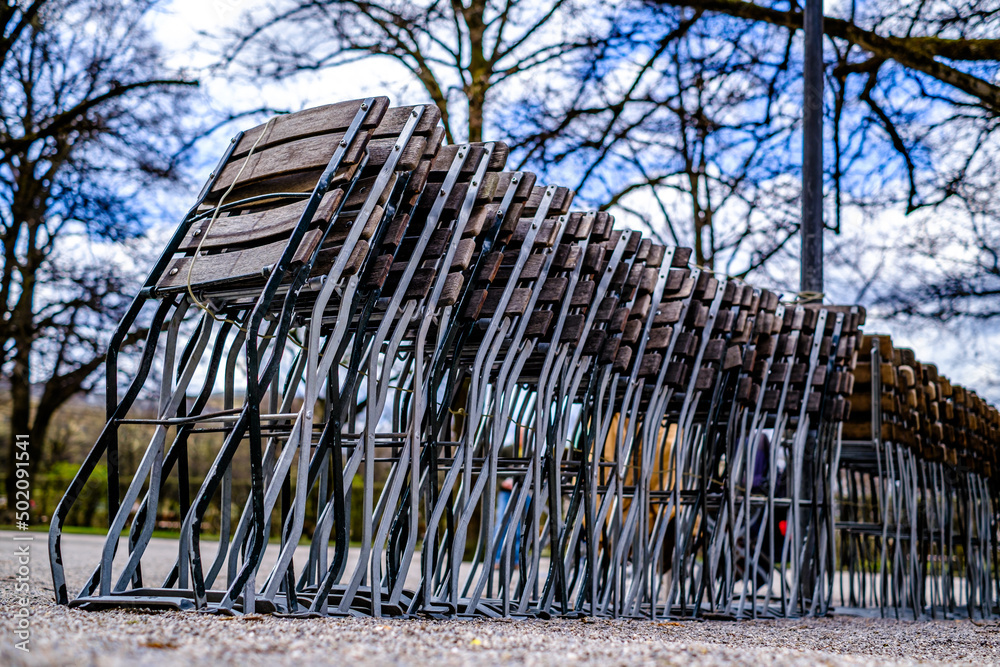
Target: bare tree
914, 108
936, 39
467, 55
620, 100
682, 124
90, 120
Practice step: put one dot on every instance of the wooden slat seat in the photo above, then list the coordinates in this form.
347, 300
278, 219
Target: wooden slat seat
248, 265
403, 236
233, 231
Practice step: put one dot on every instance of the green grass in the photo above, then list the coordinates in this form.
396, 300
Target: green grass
168, 534
94, 530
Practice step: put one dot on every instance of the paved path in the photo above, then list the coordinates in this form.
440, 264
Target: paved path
67, 636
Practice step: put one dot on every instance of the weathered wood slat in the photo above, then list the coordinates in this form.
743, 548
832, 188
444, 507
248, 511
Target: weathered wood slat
395, 118
308, 155
516, 305
231, 267
446, 155
252, 228
319, 120
539, 323
452, 289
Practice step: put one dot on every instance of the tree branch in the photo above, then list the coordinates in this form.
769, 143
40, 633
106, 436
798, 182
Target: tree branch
916, 53
59, 122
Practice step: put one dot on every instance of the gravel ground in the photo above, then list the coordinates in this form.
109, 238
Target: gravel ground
63, 636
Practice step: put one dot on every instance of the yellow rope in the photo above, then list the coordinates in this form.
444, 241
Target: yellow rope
520, 425
808, 297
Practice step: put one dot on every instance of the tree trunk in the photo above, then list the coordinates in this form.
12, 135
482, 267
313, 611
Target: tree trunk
479, 71
22, 331
20, 416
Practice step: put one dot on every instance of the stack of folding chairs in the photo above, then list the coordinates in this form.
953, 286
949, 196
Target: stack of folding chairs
918, 489
454, 396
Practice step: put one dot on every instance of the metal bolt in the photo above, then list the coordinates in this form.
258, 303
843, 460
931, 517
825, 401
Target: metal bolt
197, 232
396, 147
513, 180
364, 107
212, 175
343, 142
441, 193
474, 183
414, 114
173, 271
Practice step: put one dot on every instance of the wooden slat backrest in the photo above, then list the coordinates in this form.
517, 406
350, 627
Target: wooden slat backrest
235, 244
237, 266
294, 150
327, 119
239, 230
419, 150
450, 224
307, 155
486, 269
